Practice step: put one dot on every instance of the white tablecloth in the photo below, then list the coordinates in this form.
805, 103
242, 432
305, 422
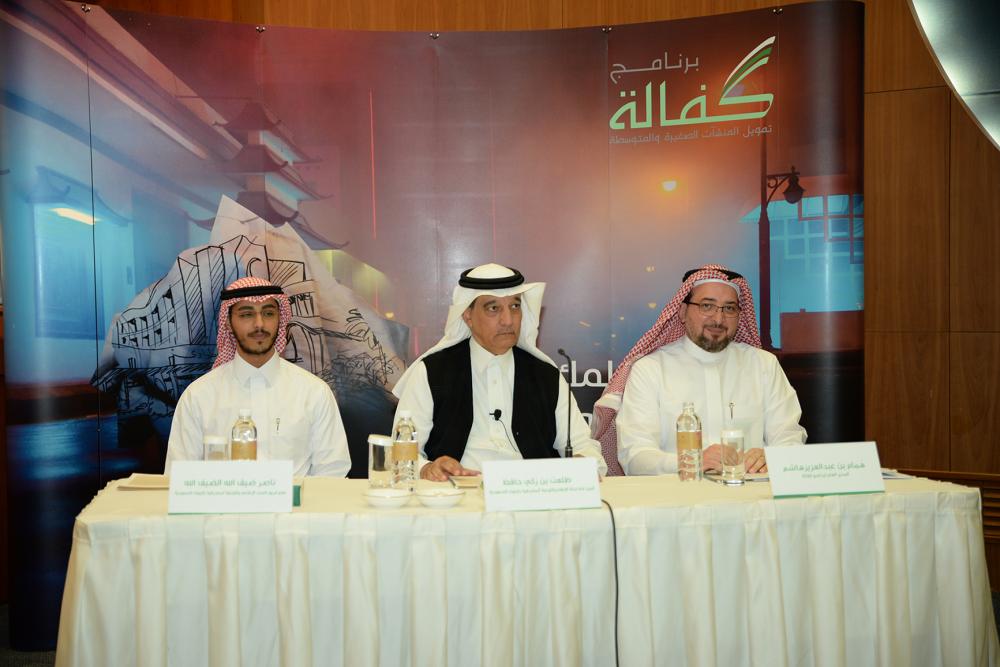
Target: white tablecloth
708, 576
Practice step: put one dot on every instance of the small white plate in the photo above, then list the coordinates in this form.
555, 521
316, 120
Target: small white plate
440, 497
387, 498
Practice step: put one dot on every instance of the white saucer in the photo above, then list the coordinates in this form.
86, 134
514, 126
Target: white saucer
387, 498
440, 497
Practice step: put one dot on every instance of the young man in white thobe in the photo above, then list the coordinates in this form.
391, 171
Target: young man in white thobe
295, 412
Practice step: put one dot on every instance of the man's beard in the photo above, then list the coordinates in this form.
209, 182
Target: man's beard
254, 351
712, 345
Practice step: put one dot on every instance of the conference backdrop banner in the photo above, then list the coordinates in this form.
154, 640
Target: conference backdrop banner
146, 162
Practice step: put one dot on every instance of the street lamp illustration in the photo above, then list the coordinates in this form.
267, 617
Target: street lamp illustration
769, 185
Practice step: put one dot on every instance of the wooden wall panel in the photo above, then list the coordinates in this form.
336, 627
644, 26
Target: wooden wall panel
216, 10
656, 10
350, 14
518, 14
896, 57
402, 15
249, 11
583, 13
975, 226
975, 402
640, 11
906, 398
498, 15
906, 210
993, 565
439, 15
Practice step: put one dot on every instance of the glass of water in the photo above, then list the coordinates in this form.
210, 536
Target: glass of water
216, 448
379, 462
733, 468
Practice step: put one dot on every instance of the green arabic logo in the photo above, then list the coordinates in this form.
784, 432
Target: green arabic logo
757, 58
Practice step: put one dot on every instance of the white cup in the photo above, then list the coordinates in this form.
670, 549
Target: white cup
216, 448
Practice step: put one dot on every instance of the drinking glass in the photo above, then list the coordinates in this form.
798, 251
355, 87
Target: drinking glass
733, 468
216, 448
379, 462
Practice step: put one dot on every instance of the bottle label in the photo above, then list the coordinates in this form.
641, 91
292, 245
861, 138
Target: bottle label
404, 451
243, 451
688, 440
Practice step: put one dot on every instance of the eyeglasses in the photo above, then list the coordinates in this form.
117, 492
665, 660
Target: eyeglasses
707, 308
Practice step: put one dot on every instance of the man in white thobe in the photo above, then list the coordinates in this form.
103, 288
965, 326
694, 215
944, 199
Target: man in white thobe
704, 349
485, 391
295, 412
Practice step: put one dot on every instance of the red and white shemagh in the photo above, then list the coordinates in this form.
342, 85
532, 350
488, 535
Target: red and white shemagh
226, 344
667, 329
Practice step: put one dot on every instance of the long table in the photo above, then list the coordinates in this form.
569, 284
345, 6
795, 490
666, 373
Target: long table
706, 575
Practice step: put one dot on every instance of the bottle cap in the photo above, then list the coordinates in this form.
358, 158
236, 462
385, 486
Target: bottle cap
380, 440
245, 413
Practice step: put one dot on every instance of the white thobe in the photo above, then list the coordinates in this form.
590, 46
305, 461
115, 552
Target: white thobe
295, 413
748, 379
491, 439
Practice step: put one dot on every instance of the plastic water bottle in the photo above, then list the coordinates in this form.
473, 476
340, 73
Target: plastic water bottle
404, 452
689, 445
243, 444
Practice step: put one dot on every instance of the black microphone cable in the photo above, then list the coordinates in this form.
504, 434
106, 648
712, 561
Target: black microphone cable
496, 417
614, 545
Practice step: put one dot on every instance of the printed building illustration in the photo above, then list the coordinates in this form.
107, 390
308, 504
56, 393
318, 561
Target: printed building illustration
165, 338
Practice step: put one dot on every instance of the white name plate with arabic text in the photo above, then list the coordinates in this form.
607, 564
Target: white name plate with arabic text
230, 487
818, 470
541, 484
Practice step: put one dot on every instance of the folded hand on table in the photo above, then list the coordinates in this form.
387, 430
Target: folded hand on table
444, 467
754, 460
711, 458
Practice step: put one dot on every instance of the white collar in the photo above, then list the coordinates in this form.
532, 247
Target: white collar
481, 357
704, 356
245, 371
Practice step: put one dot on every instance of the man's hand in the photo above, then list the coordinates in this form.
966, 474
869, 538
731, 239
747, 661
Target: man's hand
754, 460
444, 467
711, 458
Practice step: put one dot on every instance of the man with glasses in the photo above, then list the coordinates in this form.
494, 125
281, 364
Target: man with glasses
705, 349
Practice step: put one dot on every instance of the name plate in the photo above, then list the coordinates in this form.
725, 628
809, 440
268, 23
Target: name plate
541, 484
819, 470
230, 487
